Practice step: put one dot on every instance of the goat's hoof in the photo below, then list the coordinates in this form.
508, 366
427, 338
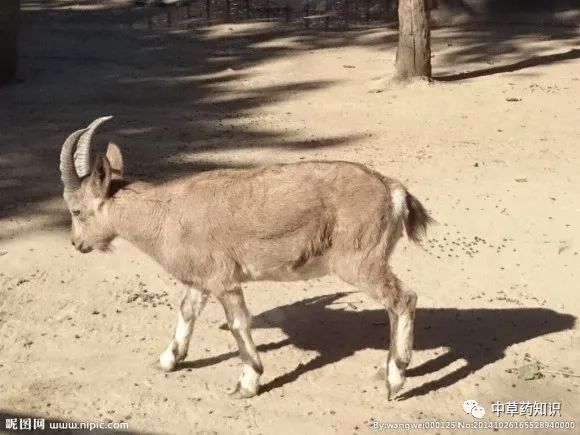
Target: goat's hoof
394, 388
167, 361
241, 393
395, 378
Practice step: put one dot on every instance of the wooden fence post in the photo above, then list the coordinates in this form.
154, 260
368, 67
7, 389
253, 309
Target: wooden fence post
228, 11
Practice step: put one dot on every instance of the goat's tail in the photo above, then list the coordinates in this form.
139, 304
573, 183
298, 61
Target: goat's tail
415, 218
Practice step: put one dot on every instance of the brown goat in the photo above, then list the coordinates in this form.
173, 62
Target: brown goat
219, 229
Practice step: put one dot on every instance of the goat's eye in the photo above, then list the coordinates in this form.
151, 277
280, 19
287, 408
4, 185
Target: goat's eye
76, 212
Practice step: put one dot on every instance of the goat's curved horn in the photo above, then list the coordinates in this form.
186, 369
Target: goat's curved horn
68, 174
82, 158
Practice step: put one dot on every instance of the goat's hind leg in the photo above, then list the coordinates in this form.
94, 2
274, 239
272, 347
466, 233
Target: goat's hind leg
401, 308
191, 307
239, 321
400, 303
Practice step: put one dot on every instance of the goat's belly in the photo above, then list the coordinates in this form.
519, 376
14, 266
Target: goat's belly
314, 268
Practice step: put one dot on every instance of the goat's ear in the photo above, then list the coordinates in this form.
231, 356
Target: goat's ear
115, 157
101, 176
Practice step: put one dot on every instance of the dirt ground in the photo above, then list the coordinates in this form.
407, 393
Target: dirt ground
491, 148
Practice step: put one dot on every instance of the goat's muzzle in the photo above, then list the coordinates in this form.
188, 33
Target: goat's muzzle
81, 247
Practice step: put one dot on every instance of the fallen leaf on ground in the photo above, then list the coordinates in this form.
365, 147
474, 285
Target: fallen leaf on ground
530, 372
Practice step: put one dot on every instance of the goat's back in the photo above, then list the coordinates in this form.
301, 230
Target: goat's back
281, 216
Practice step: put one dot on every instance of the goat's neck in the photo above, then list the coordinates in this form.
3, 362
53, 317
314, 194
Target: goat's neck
137, 215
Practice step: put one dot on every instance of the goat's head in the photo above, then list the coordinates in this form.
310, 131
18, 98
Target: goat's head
87, 188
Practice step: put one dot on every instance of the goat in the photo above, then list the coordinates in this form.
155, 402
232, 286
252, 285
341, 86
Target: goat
216, 230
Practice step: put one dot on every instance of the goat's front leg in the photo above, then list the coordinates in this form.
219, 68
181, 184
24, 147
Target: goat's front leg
191, 307
239, 322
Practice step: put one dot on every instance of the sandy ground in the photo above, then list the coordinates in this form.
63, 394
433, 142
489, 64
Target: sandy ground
492, 149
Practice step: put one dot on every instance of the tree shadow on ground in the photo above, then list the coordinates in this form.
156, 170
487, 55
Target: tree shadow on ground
174, 92
479, 337
504, 45
527, 63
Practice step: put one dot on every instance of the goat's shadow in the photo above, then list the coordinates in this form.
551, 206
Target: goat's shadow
479, 336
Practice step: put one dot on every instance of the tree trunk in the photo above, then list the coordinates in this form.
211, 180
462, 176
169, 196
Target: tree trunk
9, 23
414, 51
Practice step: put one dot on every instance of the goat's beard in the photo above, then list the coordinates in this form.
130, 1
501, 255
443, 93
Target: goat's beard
105, 246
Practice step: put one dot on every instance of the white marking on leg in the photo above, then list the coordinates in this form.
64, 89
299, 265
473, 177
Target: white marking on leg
236, 324
404, 338
395, 377
167, 358
183, 333
251, 348
250, 379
